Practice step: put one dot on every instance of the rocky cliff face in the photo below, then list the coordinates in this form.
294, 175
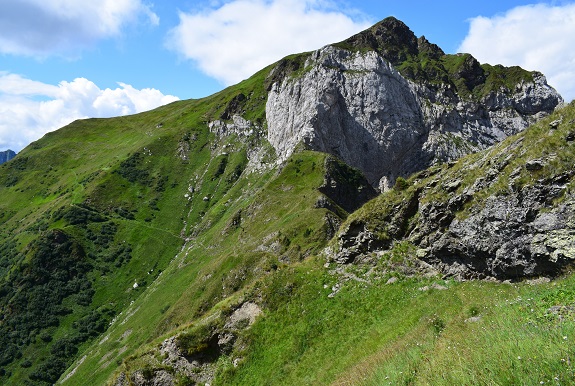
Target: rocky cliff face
507, 213
371, 102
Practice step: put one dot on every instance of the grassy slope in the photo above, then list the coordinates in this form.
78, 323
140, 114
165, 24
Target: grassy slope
373, 333
114, 188
377, 334
223, 260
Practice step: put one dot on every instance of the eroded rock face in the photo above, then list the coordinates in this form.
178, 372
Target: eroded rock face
518, 235
169, 362
359, 107
523, 233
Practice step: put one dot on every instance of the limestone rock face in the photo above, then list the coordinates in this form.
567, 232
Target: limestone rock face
358, 106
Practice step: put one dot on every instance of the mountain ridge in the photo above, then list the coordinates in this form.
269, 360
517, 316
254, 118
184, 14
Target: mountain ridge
6, 156
377, 93
194, 246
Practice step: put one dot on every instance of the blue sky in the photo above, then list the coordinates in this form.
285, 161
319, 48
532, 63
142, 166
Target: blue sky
66, 59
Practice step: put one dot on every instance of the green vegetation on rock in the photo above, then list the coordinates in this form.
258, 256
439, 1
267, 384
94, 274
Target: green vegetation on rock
169, 246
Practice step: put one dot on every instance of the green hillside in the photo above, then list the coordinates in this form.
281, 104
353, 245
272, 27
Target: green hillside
94, 218
170, 247
109, 195
388, 320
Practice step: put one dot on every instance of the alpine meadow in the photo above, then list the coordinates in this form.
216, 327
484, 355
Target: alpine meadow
373, 212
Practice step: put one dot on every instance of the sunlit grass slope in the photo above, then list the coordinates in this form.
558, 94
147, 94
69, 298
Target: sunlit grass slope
325, 325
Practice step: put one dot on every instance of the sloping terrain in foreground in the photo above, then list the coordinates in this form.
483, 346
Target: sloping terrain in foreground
390, 315
226, 241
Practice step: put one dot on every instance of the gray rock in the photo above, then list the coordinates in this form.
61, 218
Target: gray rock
357, 106
434, 286
244, 316
523, 233
555, 124
535, 164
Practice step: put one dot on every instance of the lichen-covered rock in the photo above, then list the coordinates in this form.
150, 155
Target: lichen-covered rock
510, 237
522, 233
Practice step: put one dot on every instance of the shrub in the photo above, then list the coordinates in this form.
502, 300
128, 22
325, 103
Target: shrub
400, 184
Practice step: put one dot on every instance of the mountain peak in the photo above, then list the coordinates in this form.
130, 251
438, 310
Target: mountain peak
391, 37
400, 99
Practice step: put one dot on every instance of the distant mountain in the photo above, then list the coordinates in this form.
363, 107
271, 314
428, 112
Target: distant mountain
318, 223
6, 156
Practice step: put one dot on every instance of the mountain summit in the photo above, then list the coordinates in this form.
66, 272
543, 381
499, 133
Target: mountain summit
391, 104
393, 40
240, 239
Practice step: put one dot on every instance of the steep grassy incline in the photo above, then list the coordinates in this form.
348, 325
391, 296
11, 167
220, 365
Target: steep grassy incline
262, 224
92, 213
387, 319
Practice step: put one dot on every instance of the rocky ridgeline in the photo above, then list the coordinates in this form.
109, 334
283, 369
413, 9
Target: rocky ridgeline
371, 102
507, 215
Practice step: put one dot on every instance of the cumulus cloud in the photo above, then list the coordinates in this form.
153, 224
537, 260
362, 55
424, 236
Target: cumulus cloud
45, 27
535, 37
29, 109
232, 41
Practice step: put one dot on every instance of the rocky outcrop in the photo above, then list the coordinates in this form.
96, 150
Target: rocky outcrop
172, 363
518, 235
344, 186
506, 214
353, 101
238, 126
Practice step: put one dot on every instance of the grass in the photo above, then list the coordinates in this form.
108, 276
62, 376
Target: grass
221, 260
158, 200
132, 172
373, 334
369, 332
515, 341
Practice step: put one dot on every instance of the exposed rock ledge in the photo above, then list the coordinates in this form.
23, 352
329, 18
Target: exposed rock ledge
524, 233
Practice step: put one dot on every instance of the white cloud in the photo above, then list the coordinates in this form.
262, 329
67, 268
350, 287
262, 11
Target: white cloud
41, 28
536, 37
29, 109
233, 41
